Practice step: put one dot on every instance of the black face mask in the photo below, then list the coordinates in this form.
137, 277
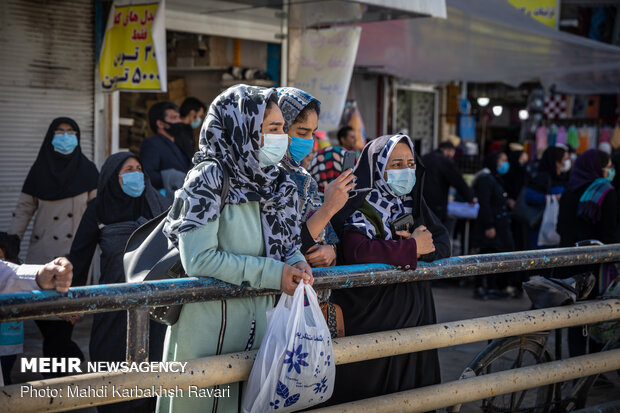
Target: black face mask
177, 130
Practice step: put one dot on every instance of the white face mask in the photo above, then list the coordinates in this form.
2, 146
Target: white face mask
566, 166
273, 149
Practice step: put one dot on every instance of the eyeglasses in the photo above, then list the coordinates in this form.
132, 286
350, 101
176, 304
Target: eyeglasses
62, 132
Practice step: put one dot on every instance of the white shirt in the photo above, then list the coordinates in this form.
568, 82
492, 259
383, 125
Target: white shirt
17, 278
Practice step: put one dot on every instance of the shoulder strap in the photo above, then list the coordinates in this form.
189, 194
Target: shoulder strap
373, 216
225, 179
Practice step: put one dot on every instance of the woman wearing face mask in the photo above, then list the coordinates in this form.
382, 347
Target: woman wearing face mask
588, 210
589, 205
59, 185
301, 112
125, 200
492, 231
318, 239
392, 176
547, 179
254, 239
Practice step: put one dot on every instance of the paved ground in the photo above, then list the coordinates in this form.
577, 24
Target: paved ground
452, 303
457, 303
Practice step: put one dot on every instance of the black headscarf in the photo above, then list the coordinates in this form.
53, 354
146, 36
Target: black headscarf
490, 162
55, 176
113, 205
515, 177
548, 161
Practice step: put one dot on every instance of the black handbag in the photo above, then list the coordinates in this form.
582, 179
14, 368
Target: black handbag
525, 213
148, 258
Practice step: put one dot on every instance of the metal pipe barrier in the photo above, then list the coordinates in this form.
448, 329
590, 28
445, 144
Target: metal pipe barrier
468, 390
112, 297
234, 367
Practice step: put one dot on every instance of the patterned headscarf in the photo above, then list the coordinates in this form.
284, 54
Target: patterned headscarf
292, 101
231, 133
381, 197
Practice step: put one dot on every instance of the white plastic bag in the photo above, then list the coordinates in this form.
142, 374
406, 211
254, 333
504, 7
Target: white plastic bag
294, 368
548, 236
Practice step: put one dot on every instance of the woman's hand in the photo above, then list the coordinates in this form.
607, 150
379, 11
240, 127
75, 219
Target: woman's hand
291, 275
424, 240
321, 255
404, 234
337, 192
56, 274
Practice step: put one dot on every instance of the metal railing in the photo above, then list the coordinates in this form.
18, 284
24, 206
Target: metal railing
138, 297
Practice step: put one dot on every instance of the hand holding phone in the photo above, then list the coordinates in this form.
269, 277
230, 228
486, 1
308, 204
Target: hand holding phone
402, 223
349, 160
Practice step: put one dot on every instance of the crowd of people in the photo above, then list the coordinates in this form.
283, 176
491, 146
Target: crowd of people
391, 208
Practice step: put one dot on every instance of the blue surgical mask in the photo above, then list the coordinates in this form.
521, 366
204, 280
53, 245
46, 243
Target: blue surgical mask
503, 168
401, 181
612, 174
133, 183
65, 143
299, 148
274, 148
196, 123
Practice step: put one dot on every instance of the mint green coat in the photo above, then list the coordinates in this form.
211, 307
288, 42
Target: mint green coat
230, 249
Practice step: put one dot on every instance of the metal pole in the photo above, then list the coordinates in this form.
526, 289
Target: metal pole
138, 335
480, 387
94, 299
230, 368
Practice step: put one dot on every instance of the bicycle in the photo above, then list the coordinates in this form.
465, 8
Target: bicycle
532, 348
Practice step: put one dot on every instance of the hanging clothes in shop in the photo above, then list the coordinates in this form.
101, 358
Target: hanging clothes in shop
552, 134
562, 136
541, 139
573, 137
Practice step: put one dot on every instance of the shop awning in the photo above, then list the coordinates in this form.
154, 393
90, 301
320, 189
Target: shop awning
488, 41
262, 19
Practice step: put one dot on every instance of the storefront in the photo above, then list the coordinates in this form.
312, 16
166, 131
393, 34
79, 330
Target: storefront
47, 71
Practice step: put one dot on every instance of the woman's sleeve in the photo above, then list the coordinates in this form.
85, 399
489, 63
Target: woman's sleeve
534, 197
306, 239
24, 210
608, 225
84, 245
441, 237
486, 218
200, 256
359, 249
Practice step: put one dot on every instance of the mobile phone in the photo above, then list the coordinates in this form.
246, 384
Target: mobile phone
349, 160
402, 223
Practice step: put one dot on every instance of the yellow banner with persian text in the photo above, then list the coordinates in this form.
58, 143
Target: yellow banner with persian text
545, 11
131, 56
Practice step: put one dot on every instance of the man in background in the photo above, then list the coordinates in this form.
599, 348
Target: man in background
327, 163
192, 113
162, 159
441, 174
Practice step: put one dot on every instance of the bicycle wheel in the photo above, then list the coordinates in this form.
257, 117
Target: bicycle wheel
511, 353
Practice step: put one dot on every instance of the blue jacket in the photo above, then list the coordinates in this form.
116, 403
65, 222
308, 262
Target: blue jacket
159, 153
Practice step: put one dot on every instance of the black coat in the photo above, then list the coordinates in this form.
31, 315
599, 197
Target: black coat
159, 153
573, 228
493, 214
441, 174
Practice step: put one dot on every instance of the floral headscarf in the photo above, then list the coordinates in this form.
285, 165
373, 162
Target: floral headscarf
231, 132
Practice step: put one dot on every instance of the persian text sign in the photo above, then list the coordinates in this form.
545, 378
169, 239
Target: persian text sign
325, 69
545, 11
133, 53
